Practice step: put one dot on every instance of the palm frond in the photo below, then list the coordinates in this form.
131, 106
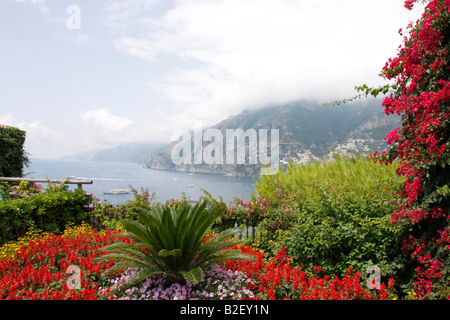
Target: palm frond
193, 276
166, 253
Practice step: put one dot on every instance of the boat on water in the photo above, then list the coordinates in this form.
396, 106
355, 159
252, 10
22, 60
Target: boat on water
190, 185
116, 191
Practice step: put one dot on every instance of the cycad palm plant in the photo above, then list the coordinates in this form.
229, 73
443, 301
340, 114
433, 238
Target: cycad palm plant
170, 241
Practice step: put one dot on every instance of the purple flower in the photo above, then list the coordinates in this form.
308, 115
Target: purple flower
217, 283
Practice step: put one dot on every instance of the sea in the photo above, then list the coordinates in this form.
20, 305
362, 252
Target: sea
165, 185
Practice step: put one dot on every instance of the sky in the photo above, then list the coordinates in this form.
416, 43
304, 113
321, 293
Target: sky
80, 75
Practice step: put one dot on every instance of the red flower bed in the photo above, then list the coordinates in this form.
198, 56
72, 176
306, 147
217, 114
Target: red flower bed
276, 279
38, 269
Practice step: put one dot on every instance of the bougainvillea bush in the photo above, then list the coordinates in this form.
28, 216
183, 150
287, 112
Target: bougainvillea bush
420, 94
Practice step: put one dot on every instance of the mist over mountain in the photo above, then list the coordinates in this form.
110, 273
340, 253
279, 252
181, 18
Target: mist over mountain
133, 152
128, 152
307, 131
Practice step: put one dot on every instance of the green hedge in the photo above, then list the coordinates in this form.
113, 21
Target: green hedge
48, 211
336, 215
13, 157
337, 228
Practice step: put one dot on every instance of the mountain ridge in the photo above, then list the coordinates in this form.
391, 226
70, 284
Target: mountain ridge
307, 131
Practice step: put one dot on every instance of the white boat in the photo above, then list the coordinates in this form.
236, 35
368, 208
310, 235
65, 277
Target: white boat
190, 185
116, 191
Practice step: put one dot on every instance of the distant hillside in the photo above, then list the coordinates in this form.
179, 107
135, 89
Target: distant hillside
139, 152
128, 152
307, 131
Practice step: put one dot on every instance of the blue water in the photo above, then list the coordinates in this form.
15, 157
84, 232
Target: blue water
117, 175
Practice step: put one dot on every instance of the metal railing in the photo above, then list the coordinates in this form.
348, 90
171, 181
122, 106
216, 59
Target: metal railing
78, 182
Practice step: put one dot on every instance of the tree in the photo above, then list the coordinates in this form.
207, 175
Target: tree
12, 155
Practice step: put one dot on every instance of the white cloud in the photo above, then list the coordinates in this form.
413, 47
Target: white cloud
101, 128
94, 129
104, 119
237, 54
41, 141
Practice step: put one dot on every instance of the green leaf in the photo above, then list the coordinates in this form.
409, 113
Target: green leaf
193, 276
166, 253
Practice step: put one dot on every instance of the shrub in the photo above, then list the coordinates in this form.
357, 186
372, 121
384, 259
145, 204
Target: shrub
48, 211
224, 220
334, 213
353, 172
337, 228
106, 215
248, 213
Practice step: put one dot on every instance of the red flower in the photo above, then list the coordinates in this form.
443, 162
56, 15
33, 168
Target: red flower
42, 263
409, 4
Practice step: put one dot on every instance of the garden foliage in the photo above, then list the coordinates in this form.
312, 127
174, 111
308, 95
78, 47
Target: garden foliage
334, 214
320, 225
46, 211
105, 215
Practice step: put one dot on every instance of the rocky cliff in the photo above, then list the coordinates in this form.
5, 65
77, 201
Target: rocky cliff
307, 132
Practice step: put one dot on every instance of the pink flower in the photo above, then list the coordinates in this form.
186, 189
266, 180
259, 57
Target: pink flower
409, 4
392, 137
